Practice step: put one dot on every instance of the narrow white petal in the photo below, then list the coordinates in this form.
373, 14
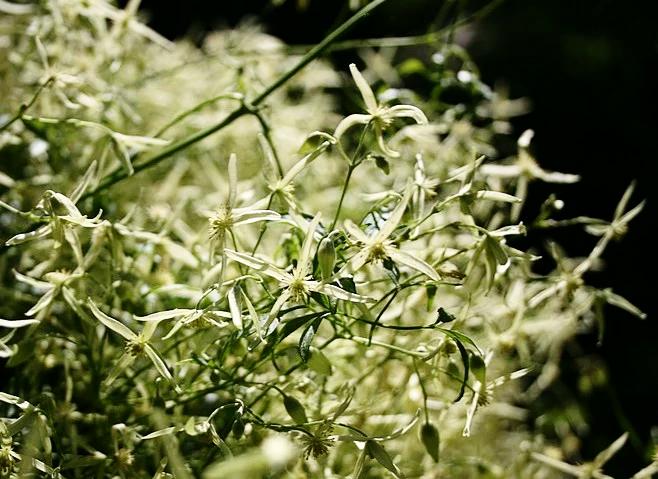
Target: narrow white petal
259, 265
337, 292
149, 329
16, 323
605, 455
356, 262
621, 206
164, 315
35, 283
557, 464
160, 365
408, 111
253, 315
301, 164
497, 196
305, 258
412, 261
234, 307
43, 302
38, 233
356, 232
253, 216
555, 177
383, 146
392, 222
111, 323
500, 171
631, 214
349, 122
276, 307
366, 92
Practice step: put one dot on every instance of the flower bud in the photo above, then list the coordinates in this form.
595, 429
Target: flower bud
326, 258
429, 435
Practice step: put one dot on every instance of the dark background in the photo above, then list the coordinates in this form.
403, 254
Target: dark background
590, 69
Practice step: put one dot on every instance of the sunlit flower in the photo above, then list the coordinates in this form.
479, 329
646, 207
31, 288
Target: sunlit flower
525, 169
136, 345
379, 116
298, 284
379, 247
587, 470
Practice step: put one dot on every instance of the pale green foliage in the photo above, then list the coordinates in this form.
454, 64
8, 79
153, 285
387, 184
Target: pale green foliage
285, 313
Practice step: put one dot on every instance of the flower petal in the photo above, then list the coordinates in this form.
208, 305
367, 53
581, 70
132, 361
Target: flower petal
412, 261
259, 265
356, 232
366, 92
247, 216
164, 315
349, 122
407, 111
234, 307
111, 323
160, 365
382, 145
392, 222
16, 323
305, 257
337, 292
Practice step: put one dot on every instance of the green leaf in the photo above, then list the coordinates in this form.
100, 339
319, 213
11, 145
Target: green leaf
294, 409
457, 338
307, 338
478, 367
347, 283
377, 451
429, 436
495, 249
318, 362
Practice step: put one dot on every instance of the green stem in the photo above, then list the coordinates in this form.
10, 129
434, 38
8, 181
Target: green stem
120, 174
25, 106
350, 170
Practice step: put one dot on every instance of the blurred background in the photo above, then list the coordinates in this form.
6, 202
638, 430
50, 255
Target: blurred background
590, 71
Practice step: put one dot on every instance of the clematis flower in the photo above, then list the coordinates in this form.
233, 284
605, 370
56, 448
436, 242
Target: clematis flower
136, 345
299, 283
379, 247
591, 469
526, 169
228, 216
379, 115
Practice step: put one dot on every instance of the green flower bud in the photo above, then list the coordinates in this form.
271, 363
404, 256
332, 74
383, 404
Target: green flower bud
429, 436
326, 258
295, 409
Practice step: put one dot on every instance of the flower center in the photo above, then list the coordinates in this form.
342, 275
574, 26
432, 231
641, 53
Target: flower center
134, 347
220, 222
297, 289
377, 252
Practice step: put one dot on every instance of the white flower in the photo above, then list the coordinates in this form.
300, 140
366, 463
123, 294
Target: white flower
298, 284
589, 469
136, 345
380, 116
525, 169
378, 247
227, 217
